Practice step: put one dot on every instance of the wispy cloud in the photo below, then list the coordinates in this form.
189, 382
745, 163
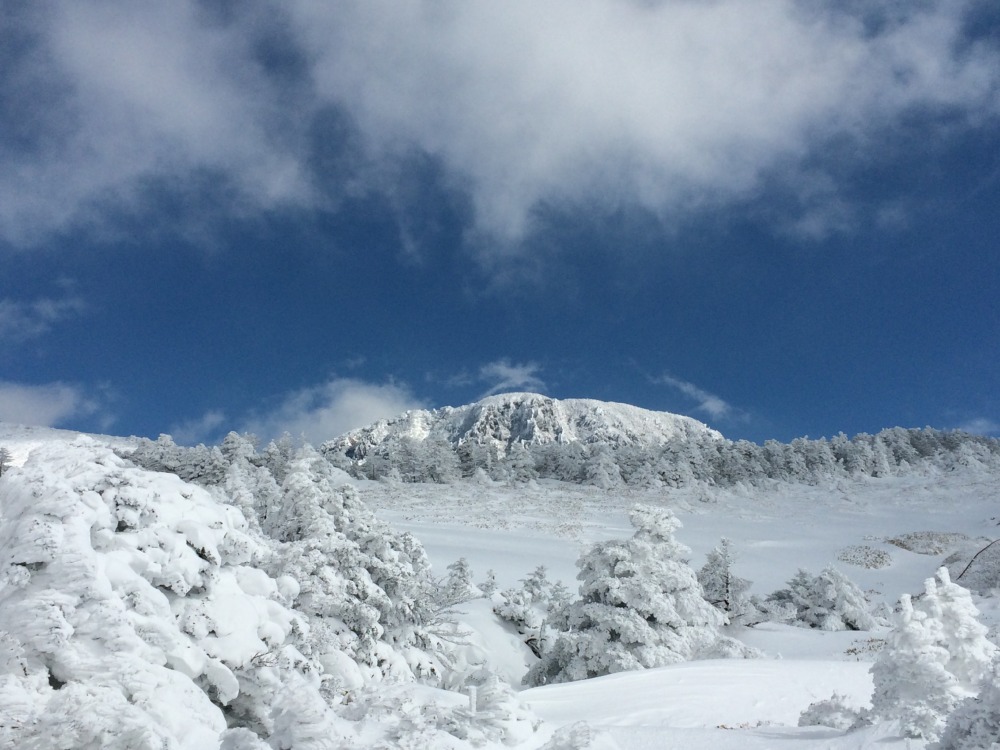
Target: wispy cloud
981, 426
199, 430
324, 411
46, 405
673, 106
21, 320
706, 402
504, 375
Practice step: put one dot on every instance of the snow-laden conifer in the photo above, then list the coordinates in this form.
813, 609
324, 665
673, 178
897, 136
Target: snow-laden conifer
935, 657
828, 601
975, 722
725, 590
640, 606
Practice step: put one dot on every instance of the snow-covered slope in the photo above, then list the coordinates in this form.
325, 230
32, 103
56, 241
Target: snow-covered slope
529, 418
261, 603
141, 611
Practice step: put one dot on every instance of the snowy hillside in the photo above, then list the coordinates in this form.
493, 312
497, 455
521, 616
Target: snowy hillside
247, 597
524, 437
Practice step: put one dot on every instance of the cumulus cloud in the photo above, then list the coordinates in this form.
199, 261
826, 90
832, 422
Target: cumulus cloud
330, 409
504, 375
709, 403
673, 106
48, 405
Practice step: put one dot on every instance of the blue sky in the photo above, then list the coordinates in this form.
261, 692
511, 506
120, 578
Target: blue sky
781, 218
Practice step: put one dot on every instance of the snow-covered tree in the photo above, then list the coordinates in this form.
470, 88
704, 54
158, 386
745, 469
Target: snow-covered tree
489, 584
520, 466
828, 601
530, 607
367, 588
975, 722
640, 606
936, 656
600, 467
726, 591
458, 586
5, 459
206, 466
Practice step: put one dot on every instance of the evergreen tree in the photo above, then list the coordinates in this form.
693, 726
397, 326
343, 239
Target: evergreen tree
640, 606
828, 601
935, 657
975, 723
726, 591
458, 586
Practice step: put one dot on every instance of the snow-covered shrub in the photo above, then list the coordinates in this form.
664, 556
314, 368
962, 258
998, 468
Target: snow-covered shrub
458, 586
935, 657
864, 556
302, 720
531, 608
199, 464
133, 620
640, 606
366, 588
975, 722
929, 542
828, 601
415, 717
580, 736
141, 611
834, 712
489, 584
726, 591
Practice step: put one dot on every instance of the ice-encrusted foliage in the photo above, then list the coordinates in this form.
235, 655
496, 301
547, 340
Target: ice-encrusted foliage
936, 656
640, 606
138, 610
199, 464
975, 723
725, 590
134, 616
531, 608
834, 712
367, 589
828, 601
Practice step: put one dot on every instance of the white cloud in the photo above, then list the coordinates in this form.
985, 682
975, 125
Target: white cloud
48, 405
131, 93
708, 403
198, 430
981, 426
673, 106
22, 320
330, 409
503, 376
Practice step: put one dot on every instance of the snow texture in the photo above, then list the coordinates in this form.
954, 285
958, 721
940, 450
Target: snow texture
231, 597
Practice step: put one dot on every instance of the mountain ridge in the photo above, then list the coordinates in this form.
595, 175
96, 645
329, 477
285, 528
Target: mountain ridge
503, 420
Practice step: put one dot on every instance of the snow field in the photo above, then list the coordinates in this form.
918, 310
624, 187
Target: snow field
134, 611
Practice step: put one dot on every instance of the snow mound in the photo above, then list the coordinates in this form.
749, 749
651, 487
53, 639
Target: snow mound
127, 606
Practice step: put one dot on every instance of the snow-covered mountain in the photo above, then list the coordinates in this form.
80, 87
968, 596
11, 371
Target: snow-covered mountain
524, 436
155, 596
530, 419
